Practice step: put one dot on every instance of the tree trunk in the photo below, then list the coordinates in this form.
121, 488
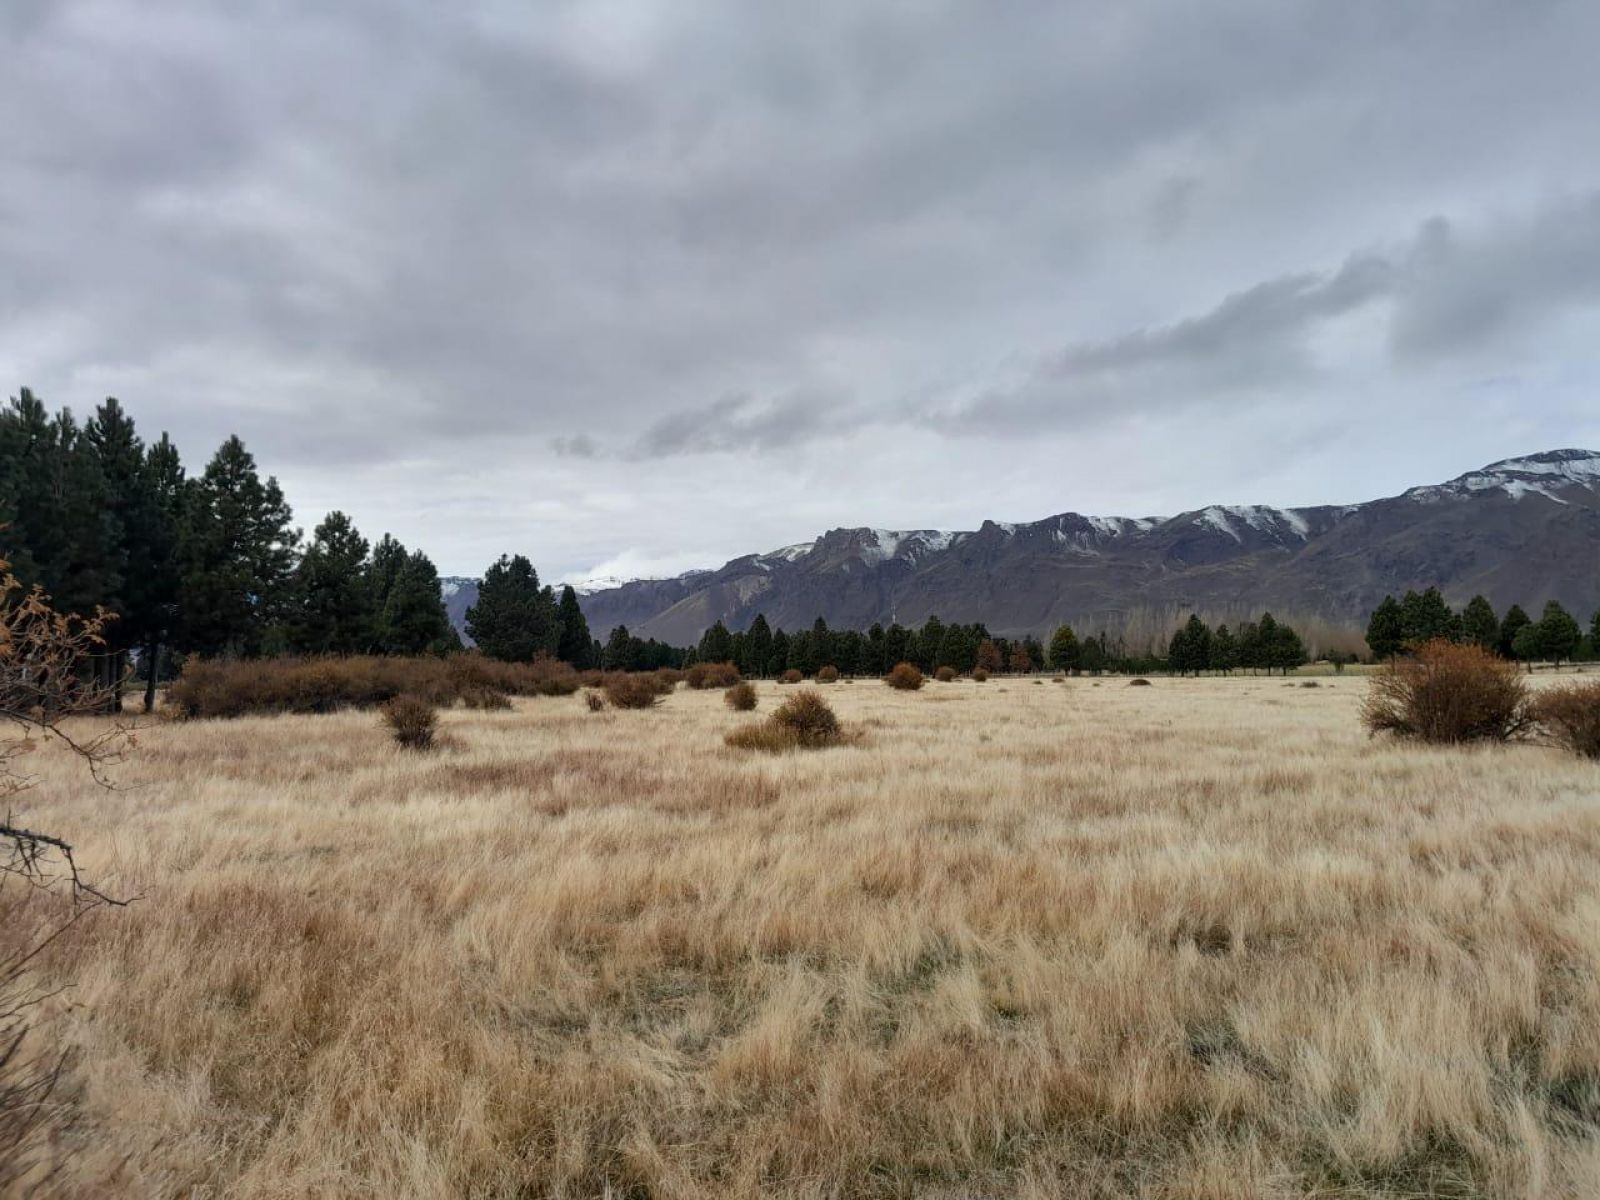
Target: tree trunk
153, 651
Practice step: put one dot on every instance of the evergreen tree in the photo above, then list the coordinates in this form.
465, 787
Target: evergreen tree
822, 644
758, 640
1190, 649
514, 618
1065, 653
1091, 654
1284, 648
1515, 622
1479, 625
414, 620
897, 647
388, 560
616, 655
1425, 616
333, 612
1224, 651
779, 662
1251, 654
716, 644
164, 477
1386, 629
237, 549
1559, 634
929, 642
575, 645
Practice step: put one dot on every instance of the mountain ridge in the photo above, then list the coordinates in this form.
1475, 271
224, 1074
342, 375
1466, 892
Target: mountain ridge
1521, 529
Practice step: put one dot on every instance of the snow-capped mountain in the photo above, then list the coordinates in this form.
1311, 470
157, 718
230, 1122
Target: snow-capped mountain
1522, 530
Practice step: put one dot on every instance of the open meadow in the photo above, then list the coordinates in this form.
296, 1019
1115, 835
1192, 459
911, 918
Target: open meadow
1019, 938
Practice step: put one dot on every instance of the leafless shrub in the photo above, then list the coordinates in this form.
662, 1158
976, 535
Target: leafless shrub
945, 674
634, 690
979, 675
904, 677
1569, 716
792, 675
828, 674
595, 701
802, 722
412, 721
704, 676
741, 697
1447, 692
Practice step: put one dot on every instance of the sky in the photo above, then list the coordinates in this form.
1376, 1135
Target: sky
634, 286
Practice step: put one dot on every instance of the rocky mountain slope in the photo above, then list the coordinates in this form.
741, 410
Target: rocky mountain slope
1523, 530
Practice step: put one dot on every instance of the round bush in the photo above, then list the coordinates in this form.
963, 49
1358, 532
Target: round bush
904, 677
828, 674
411, 721
741, 697
1445, 692
641, 690
945, 674
1569, 717
808, 717
790, 676
980, 676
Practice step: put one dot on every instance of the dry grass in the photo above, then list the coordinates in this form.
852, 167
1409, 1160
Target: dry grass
1201, 940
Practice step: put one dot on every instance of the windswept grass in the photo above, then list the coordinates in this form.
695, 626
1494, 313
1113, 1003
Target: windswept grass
1206, 939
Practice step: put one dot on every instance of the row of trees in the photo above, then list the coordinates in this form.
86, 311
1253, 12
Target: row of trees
1424, 616
761, 650
210, 564
1267, 644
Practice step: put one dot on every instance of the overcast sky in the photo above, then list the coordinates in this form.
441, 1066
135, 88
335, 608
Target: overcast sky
632, 286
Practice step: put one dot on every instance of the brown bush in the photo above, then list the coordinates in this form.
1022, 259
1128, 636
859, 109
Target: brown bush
218, 688
904, 677
487, 699
1131, 682
802, 722
945, 674
790, 676
635, 690
594, 700
1445, 692
1569, 717
741, 697
703, 676
412, 721
979, 675
828, 674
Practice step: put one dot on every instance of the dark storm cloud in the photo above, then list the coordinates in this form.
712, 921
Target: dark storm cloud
381, 239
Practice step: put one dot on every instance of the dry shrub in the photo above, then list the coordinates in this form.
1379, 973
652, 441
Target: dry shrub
704, 676
802, 722
828, 674
594, 700
790, 676
741, 697
945, 674
1445, 692
979, 675
1569, 717
486, 699
642, 690
1138, 683
220, 688
412, 721
668, 678
904, 677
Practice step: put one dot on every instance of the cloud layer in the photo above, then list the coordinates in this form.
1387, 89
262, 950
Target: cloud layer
501, 278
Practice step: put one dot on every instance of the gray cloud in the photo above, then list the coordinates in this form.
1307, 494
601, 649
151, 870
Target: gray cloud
407, 248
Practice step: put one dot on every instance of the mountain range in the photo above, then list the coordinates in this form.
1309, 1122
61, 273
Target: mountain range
1522, 530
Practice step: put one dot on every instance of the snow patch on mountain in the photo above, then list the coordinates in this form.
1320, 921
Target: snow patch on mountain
1534, 475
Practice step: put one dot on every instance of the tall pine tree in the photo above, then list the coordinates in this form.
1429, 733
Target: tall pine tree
514, 618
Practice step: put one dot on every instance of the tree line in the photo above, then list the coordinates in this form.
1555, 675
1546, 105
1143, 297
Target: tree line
1424, 616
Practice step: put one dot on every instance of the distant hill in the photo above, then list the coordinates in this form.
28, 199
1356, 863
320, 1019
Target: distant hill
1523, 530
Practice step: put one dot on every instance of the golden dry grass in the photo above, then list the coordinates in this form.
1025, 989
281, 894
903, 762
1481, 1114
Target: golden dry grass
1202, 939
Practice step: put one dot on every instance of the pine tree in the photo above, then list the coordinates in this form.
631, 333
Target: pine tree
716, 644
615, 657
514, 618
1425, 616
1190, 649
822, 648
333, 598
1065, 653
1284, 648
413, 619
1386, 629
1559, 634
1515, 622
1479, 625
237, 547
388, 560
758, 647
574, 646
779, 662
1224, 651
164, 477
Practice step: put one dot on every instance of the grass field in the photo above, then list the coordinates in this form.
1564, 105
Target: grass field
1200, 939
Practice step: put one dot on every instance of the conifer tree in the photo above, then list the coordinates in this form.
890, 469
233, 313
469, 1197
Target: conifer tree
779, 662
388, 560
333, 598
1425, 616
1515, 622
1386, 629
574, 646
413, 619
1479, 625
1224, 651
758, 647
615, 657
1065, 653
237, 547
1284, 648
1190, 649
716, 644
514, 618
1559, 634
